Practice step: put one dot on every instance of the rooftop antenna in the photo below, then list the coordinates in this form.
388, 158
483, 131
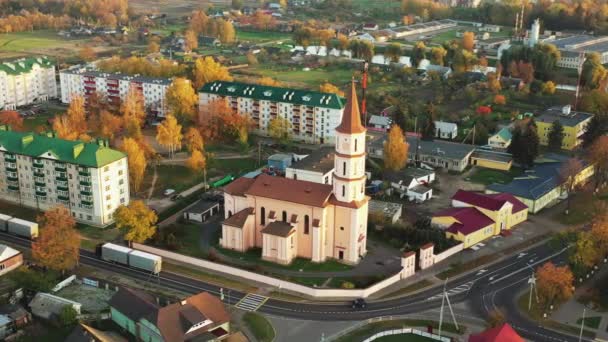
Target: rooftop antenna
446, 298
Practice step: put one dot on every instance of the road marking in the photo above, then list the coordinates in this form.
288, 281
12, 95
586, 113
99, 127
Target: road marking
454, 291
251, 302
521, 255
480, 272
534, 264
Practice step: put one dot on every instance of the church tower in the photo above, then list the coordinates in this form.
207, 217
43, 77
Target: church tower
349, 160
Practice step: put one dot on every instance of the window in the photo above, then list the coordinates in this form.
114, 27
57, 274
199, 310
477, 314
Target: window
89, 217
284, 216
262, 216
343, 191
341, 228
306, 224
344, 168
355, 145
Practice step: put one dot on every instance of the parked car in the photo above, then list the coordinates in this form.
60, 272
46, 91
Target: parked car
359, 303
169, 192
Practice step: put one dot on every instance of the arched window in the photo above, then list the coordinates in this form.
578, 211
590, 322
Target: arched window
284, 216
306, 224
262, 216
344, 168
355, 145
343, 191
229, 213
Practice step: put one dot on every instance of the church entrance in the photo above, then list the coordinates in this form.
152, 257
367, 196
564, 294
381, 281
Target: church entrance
341, 255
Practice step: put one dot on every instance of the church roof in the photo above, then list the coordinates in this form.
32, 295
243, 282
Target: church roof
290, 190
351, 119
278, 228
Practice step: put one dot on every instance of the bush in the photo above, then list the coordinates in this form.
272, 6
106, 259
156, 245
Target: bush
347, 285
35, 281
259, 326
68, 316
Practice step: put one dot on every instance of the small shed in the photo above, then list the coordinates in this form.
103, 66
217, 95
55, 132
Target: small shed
380, 123
202, 210
391, 211
280, 161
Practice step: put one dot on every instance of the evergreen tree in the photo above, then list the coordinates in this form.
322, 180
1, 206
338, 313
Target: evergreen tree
556, 136
597, 127
428, 129
524, 143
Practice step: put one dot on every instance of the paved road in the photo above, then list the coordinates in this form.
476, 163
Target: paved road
495, 286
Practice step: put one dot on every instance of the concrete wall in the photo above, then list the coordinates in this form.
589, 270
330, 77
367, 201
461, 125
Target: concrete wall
284, 285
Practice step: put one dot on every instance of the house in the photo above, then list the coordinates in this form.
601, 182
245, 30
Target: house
502, 138
201, 211
382, 35
574, 124
17, 314
446, 130
10, 259
201, 317
501, 333
208, 41
391, 211
489, 28
280, 161
370, 27
443, 71
540, 186
317, 167
380, 123
48, 306
274, 6
412, 183
365, 37
475, 217
491, 159
291, 218
85, 333
448, 155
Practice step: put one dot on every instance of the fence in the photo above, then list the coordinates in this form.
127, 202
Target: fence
282, 284
369, 321
448, 253
64, 283
407, 331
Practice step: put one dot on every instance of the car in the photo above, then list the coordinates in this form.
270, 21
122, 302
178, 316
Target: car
359, 303
169, 192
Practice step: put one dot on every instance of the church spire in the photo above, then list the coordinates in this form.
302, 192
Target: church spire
351, 119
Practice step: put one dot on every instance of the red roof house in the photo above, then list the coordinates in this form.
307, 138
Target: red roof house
503, 333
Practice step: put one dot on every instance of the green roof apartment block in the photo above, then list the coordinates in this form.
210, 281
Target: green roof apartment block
25, 81
313, 115
42, 171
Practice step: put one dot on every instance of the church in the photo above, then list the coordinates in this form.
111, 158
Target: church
291, 218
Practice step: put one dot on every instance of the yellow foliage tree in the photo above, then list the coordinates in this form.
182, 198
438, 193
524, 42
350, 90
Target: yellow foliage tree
169, 134
58, 245
109, 124
182, 99
87, 54
585, 252
133, 112
208, 70
194, 140
153, 47
72, 124
330, 88
197, 161
554, 284
227, 34
137, 220
137, 162
279, 128
395, 149
468, 41
269, 81
190, 40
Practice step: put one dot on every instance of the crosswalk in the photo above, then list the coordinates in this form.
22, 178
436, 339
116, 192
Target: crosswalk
251, 302
459, 289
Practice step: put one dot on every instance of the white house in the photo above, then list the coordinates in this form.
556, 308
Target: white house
316, 167
412, 183
446, 130
380, 123
502, 138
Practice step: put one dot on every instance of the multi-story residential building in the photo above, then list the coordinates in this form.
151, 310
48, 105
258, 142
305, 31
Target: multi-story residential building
41, 171
313, 115
114, 87
25, 81
574, 124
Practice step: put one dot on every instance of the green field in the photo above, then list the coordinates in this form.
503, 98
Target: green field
296, 76
404, 338
261, 37
451, 34
259, 326
38, 42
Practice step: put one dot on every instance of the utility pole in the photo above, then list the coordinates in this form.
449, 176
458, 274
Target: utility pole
446, 298
364, 97
580, 335
581, 61
473, 140
532, 282
259, 153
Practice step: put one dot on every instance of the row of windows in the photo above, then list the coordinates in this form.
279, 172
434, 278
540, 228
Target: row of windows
284, 219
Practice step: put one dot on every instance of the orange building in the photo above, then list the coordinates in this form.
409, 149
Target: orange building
291, 218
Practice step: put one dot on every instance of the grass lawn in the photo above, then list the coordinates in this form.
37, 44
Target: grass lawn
233, 166
189, 237
176, 177
15, 210
40, 41
259, 326
591, 322
487, 176
260, 37
295, 76
373, 328
404, 338
207, 277
92, 236
582, 209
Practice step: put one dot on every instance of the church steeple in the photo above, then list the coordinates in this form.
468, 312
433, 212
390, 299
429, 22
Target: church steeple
351, 119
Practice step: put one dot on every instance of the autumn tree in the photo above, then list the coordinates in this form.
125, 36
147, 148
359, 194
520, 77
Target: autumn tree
12, 119
169, 134
418, 54
182, 99
133, 112
193, 140
208, 70
268, 81
585, 253
493, 82
197, 161
468, 41
136, 159
548, 88
500, 100
109, 124
279, 128
199, 21
393, 52
555, 138
219, 122
567, 176
593, 72
227, 33
190, 41
438, 54
73, 124
153, 47
599, 232
138, 221
263, 21
554, 284
58, 244
496, 318
597, 154
87, 54
327, 87
395, 149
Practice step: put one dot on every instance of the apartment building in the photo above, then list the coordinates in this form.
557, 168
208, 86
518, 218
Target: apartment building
114, 87
42, 171
313, 115
25, 81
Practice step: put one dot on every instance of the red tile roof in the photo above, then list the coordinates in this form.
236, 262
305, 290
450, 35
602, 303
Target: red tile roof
238, 220
290, 190
478, 199
503, 333
469, 220
351, 119
517, 204
239, 186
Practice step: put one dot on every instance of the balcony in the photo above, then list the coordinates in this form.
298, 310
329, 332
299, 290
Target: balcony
11, 168
62, 188
86, 193
82, 172
63, 198
61, 168
12, 178
87, 203
40, 193
38, 174
13, 187
85, 182
10, 158
38, 164
40, 184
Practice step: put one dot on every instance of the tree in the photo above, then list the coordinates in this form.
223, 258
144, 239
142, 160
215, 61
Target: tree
58, 244
227, 33
548, 88
133, 112
208, 70
524, 143
568, 172
599, 232
108, 124
182, 99
493, 82
263, 21
194, 140
428, 130
87, 54
330, 88
418, 54
496, 318
137, 220
395, 149
72, 125
12, 119
279, 128
199, 21
468, 41
153, 47
169, 134
190, 41
68, 316
554, 284
500, 100
393, 52
218, 121
197, 161
269, 82
137, 162
585, 253
556, 136
593, 72
236, 4
438, 54
597, 155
